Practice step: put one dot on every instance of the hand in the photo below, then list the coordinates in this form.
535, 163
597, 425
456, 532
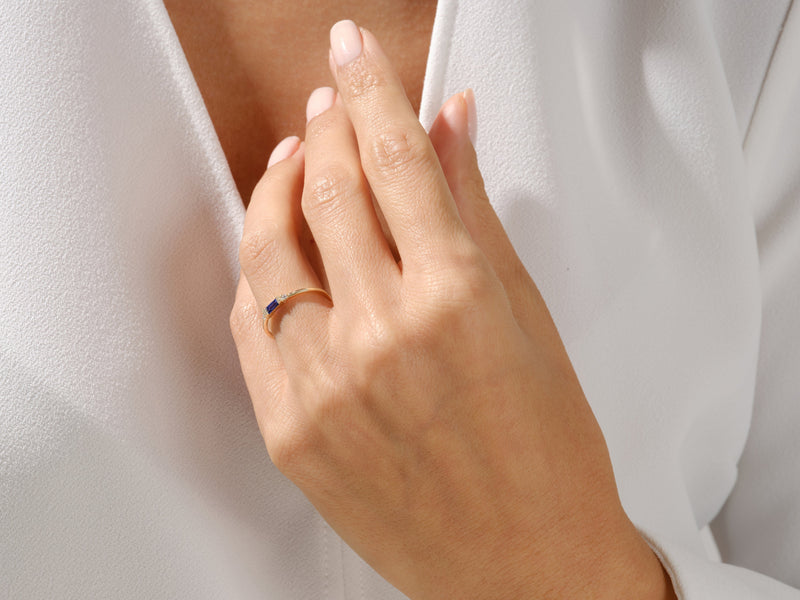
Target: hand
431, 413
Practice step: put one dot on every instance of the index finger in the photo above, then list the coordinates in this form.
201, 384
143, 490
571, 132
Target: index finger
397, 156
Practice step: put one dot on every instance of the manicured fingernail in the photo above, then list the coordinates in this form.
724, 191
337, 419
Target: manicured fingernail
320, 100
472, 115
459, 114
451, 114
284, 150
346, 42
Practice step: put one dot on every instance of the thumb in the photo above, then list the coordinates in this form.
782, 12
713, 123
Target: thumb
452, 135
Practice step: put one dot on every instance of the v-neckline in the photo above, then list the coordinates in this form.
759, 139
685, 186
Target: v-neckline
431, 100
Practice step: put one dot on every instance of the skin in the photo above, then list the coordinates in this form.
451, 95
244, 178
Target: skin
430, 411
256, 62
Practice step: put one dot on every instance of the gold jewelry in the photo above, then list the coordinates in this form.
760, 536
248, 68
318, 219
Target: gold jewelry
272, 307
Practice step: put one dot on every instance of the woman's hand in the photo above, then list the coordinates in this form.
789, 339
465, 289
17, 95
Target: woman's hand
431, 413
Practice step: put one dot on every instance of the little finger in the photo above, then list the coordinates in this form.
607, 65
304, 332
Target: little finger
271, 253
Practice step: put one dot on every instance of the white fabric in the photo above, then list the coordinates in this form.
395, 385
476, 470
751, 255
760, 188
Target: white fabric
647, 173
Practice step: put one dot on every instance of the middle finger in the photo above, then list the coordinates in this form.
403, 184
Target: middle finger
397, 156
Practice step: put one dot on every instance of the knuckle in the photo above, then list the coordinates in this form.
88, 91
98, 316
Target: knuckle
242, 319
289, 450
456, 289
327, 191
257, 248
377, 354
362, 79
280, 178
468, 261
322, 125
328, 401
344, 388
292, 440
374, 346
397, 150
473, 286
465, 273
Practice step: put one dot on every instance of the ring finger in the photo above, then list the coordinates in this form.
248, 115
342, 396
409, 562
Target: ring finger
338, 207
271, 254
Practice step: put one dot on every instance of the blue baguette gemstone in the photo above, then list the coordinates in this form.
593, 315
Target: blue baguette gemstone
272, 306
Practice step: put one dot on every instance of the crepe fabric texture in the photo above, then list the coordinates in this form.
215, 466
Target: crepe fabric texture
645, 160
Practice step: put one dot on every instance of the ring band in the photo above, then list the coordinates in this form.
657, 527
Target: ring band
272, 307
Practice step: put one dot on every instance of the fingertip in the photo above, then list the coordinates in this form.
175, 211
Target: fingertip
346, 42
472, 114
454, 113
450, 128
285, 148
320, 100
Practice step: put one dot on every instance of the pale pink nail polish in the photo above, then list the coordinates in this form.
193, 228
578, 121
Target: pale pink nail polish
284, 150
472, 115
461, 117
346, 42
450, 114
320, 100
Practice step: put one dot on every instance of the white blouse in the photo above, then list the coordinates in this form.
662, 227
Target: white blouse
645, 158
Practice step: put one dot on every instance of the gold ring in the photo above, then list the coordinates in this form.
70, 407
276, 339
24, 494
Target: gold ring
272, 307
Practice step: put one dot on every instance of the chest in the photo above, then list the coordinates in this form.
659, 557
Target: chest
256, 64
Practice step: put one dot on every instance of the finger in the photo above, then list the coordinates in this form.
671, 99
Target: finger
271, 254
396, 154
338, 206
450, 136
261, 363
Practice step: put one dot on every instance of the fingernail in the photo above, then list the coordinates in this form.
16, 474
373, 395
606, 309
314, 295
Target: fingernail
284, 150
346, 42
472, 115
460, 117
320, 100
450, 113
